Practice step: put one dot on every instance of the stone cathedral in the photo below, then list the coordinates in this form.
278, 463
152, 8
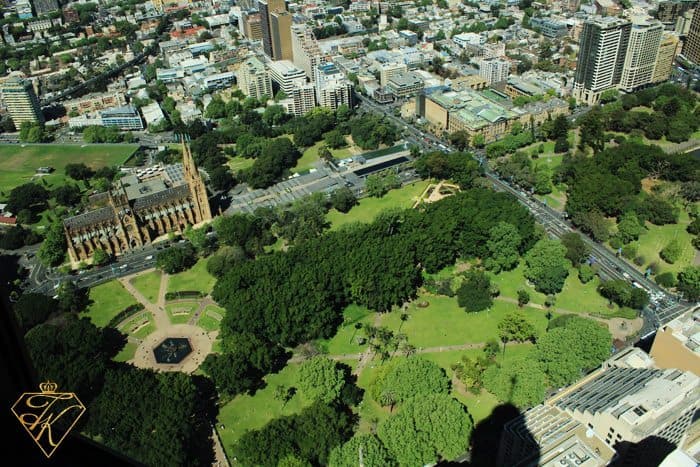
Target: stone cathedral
140, 207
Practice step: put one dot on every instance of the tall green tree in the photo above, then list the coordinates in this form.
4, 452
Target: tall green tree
361, 446
427, 429
515, 327
52, 251
579, 345
320, 378
413, 376
503, 246
521, 382
546, 266
475, 292
689, 283
576, 249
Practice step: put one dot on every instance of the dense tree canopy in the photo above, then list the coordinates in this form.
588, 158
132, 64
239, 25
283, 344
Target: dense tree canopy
427, 429
503, 246
321, 379
546, 266
475, 292
566, 351
176, 259
520, 382
53, 249
72, 354
372, 265
374, 454
309, 435
689, 282
457, 166
413, 376
169, 425
32, 309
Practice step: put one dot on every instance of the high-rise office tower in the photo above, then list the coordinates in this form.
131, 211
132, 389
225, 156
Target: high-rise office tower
21, 101
691, 49
601, 57
642, 50
252, 26
267, 7
253, 79
305, 51
281, 35
668, 49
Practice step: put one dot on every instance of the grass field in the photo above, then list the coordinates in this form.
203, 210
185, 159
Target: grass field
239, 163
196, 278
345, 340
148, 284
180, 313
444, 322
309, 158
140, 325
368, 208
18, 163
210, 319
652, 241
127, 353
247, 412
108, 300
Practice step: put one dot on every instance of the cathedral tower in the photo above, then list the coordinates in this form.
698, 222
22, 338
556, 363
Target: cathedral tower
195, 183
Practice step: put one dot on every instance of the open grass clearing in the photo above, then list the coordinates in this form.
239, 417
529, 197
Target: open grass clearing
368, 208
148, 284
246, 412
127, 353
310, 156
194, 279
239, 163
18, 162
655, 239
180, 312
107, 301
210, 319
445, 323
345, 340
140, 325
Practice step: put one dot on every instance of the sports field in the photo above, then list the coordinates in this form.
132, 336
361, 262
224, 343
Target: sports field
18, 162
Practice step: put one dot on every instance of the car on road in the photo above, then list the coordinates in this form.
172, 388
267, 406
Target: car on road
149, 257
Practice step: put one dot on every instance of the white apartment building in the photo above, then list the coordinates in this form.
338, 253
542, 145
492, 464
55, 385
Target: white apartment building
253, 79
494, 70
642, 49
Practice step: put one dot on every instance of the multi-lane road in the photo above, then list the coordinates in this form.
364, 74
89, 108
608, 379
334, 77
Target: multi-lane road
664, 307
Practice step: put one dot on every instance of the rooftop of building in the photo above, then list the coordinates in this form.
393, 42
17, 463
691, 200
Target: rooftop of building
606, 21
687, 330
405, 79
558, 440
472, 107
285, 67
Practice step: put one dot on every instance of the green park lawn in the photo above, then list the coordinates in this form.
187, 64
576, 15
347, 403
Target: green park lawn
148, 284
180, 312
208, 320
107, 300
556, 199
368, 208
345, 340
246, 412
140, 325
194, 279
239, 163
509, 282
127, 353
18, 163
656, 237
445, 323
310, 156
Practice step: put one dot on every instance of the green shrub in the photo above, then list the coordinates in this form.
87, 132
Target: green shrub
671, 252
666, 279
